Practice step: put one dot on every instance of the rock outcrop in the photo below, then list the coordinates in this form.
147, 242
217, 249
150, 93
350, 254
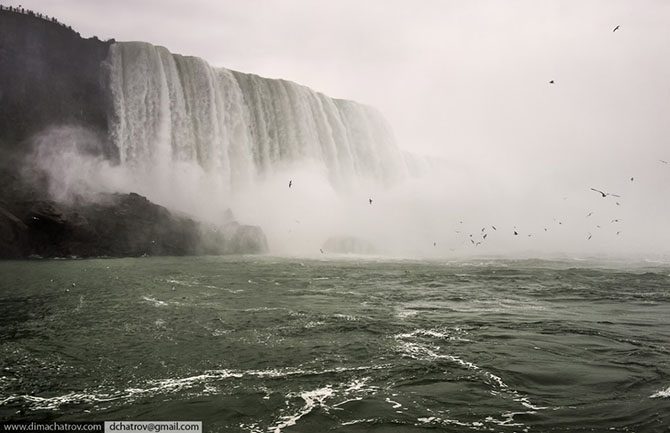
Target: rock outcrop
115, 225
51, 76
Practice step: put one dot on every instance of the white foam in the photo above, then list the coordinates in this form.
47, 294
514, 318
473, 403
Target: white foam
433, 333
424, 352
403, 314
313, 399
346, 317
446, 421
172, 385
661, 394
395, 404
224, 289
53, 403
357, 421
155, 302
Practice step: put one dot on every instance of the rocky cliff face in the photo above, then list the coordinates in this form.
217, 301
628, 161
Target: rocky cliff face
50, 76
115, 225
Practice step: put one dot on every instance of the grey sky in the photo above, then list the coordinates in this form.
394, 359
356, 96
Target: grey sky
466, 80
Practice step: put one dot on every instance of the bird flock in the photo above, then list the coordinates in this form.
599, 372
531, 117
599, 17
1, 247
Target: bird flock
475, 238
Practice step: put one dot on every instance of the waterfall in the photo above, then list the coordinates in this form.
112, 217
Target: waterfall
170, 109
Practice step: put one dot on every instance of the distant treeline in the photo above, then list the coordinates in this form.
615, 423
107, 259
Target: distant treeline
28, 12
20, 10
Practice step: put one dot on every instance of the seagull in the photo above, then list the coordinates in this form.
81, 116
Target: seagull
588, 238
516, 233
615, 220
434, 244
370, 200
618, 232
618, 204
290, 183
494, 227
590, 213
551, 81
615, 29
631, 179
604, 194
545, 229
484, 237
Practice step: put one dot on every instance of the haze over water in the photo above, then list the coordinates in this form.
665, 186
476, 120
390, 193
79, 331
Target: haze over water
467, 84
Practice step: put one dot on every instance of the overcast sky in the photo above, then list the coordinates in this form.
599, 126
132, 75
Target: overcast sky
467, 80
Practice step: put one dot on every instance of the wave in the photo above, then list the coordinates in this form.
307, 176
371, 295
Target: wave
665, 393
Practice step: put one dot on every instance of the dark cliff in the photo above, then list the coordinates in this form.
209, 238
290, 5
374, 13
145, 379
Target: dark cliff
49, 75
115, 225
52, 77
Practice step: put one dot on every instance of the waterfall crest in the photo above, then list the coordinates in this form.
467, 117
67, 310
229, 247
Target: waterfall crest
170, 109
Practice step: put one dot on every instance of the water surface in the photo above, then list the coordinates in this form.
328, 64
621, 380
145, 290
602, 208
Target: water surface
249, 344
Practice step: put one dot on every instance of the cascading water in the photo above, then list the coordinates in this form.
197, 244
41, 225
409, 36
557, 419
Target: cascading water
171, 110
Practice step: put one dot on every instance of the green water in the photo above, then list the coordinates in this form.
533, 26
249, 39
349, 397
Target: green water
250, 344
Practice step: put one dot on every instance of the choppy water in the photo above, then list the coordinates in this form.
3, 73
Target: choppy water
283, 345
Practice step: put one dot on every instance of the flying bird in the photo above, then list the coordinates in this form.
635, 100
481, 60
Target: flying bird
664, 162
615, 29
516, 233
632, 178
590, 213
370, 200
589, 237
494, 227
604, 194
484, 237
290, 182
551, 81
